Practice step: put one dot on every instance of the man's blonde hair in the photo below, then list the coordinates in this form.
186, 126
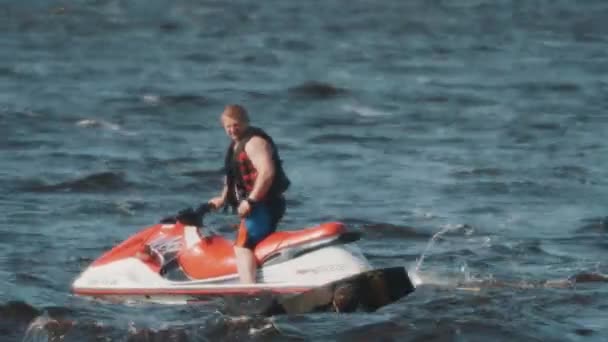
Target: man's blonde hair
236, 112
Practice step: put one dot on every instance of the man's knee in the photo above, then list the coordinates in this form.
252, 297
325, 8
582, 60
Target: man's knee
242, 251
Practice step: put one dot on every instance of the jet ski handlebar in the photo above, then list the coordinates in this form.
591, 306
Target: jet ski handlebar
189, 216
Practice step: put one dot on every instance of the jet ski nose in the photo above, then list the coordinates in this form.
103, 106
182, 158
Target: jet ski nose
77, 283
83, 281
126, 273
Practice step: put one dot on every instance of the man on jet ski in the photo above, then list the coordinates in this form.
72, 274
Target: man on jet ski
254, 185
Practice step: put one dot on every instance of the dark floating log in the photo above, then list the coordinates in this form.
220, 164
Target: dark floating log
366, 292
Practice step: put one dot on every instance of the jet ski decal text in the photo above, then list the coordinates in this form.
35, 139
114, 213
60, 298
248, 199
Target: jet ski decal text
321, 269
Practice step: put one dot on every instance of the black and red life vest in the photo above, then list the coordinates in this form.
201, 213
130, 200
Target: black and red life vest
241, 174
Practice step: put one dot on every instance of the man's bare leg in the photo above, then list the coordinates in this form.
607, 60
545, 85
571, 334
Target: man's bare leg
246, 265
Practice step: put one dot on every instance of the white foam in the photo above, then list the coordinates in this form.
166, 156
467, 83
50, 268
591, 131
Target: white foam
151, 99
92, 123
97, 123
364, 111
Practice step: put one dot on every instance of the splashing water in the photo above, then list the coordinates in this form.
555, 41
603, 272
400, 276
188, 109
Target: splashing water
37, 331
432, 241
415, 273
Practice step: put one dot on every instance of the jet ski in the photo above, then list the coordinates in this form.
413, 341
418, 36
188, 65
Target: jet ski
184, 260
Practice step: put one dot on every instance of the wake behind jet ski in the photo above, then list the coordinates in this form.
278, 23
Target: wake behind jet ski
183, 260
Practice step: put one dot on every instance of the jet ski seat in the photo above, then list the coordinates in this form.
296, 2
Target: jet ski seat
284, 239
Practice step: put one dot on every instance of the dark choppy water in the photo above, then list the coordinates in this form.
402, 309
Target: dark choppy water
484, 119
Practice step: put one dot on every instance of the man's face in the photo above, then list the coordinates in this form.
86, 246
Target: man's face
234, 129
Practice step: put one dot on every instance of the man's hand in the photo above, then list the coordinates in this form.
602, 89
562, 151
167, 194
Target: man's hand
244, 209
216, 202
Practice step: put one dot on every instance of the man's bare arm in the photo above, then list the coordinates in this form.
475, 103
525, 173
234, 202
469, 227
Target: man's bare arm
260, 154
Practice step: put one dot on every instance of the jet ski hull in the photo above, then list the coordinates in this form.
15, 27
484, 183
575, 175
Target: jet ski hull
131, 279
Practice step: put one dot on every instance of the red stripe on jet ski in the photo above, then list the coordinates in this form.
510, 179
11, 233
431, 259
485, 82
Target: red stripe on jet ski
166, 292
